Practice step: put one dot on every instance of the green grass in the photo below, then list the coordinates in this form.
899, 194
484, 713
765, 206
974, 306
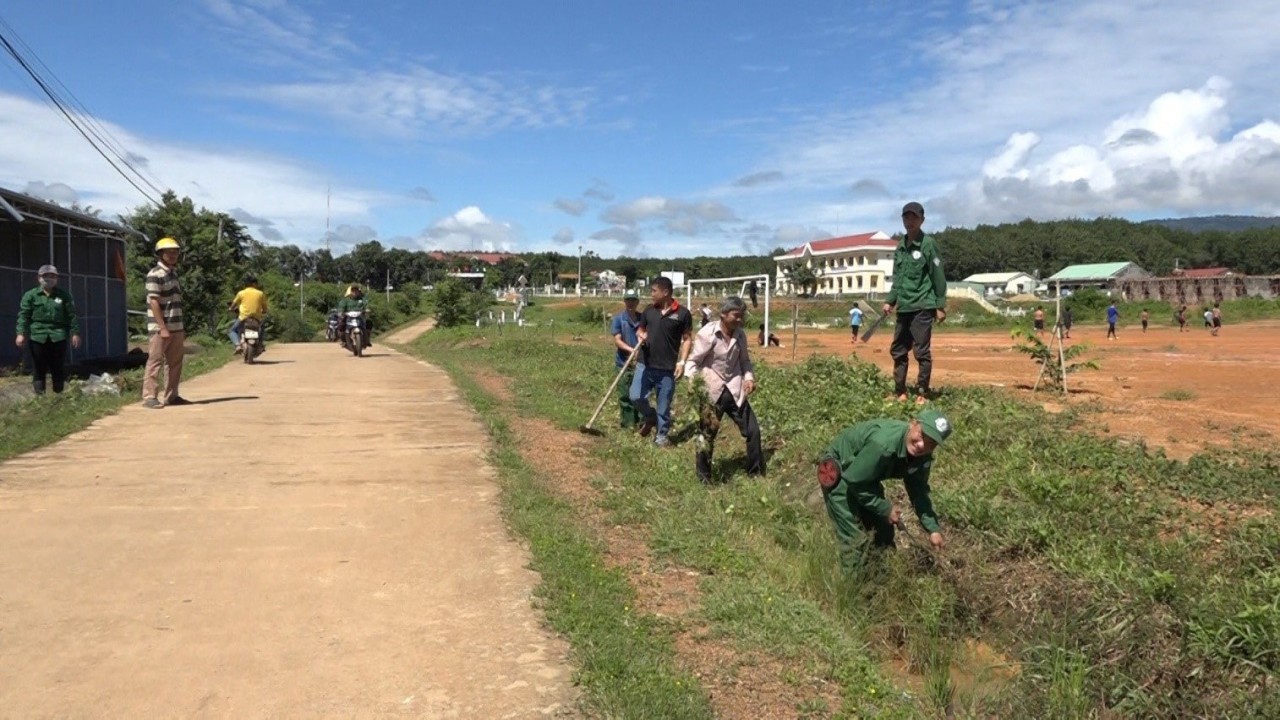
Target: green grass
625, 659
1179, 394
1091, 564
38, 422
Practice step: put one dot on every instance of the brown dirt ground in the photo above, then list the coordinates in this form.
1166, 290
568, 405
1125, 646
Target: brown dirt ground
318, 536
740, 684
1233, 378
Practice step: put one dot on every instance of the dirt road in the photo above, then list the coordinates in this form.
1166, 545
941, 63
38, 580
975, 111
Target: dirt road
320, 537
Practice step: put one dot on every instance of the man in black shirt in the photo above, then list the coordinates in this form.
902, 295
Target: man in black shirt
665, 332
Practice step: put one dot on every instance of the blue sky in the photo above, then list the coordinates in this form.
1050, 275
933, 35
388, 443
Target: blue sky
654, 128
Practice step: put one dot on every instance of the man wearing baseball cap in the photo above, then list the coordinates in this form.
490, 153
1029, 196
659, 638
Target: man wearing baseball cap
852, 471
623, 330
919, 296
46, 321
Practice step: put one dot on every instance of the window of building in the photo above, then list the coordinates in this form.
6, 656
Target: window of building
873, 281
859, 282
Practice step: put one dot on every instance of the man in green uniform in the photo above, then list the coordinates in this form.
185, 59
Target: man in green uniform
919, 296
852, 472
355, 301
46, 320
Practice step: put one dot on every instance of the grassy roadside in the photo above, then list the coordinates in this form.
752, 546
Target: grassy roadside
626, 661
33, 424
1083, 577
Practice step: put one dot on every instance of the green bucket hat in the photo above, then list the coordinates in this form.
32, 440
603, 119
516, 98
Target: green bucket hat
935, 425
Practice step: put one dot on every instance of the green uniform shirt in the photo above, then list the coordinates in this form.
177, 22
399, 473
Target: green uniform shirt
869, 453
48, 317
918, 280
347, 304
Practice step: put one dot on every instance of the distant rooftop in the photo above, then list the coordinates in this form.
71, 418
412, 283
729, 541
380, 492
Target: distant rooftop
877, 240
1092, 271
992, 278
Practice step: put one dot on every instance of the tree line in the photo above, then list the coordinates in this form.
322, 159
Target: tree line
1048, 247
219, 251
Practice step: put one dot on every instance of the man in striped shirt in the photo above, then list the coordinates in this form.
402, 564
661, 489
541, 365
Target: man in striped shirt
164, 325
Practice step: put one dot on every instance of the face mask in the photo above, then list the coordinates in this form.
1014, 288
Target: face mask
48, 283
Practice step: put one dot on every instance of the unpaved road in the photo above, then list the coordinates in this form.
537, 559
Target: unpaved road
321, 538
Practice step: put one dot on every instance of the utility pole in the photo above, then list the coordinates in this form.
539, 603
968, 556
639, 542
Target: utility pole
302, 294
328, 206
388, 287
579, 271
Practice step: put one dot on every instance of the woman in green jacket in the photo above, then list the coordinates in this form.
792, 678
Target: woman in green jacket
46, 320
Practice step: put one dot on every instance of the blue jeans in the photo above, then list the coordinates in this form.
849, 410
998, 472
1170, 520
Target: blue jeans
236, 328
647, 380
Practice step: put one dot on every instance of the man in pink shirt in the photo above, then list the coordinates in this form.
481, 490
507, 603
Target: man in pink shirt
720, 359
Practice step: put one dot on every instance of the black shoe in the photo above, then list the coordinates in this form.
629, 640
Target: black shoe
179, 400
704, 467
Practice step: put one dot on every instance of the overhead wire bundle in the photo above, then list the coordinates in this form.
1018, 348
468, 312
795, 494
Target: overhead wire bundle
75, 113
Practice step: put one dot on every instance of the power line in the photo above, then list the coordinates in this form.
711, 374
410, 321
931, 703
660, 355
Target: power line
95, 128
68, 114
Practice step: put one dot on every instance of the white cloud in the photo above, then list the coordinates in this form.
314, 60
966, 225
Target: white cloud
563, 236
56, 192
760, 178
1174, 156
40, 147
418, 101
470, 229
680, 217
1047, 76
423, 194
276, 30
571, 206
599, 190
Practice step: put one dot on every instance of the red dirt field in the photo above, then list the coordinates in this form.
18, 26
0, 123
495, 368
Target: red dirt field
1233, 379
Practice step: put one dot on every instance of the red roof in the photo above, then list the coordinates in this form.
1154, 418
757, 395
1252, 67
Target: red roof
848, 242
1201, 273
489, 258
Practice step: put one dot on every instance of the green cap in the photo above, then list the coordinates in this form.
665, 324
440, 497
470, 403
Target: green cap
935, 425
631, 295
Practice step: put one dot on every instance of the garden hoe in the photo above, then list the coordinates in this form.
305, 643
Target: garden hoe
590, 428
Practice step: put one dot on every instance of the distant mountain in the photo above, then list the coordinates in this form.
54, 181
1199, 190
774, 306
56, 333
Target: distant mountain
1222, 223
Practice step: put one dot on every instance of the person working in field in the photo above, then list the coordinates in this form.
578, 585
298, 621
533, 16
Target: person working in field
919, 296
624, 327
1145, 317
855, 321
1065, 321
1182, 319
1113, 316
852, 471
1216, 316
1038, 320
665, 333
721, 360
1208, 318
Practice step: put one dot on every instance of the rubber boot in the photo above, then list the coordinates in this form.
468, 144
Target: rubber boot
704, 466
38, 386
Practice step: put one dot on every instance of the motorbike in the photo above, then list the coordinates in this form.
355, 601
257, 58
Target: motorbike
355, 336
331, 330
252, 342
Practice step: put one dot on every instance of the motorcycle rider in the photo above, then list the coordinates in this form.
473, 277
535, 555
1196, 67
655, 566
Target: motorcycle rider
355, 301
335, 324
251, 303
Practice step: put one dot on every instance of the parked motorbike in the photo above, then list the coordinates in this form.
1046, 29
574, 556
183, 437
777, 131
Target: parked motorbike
355, 336
252, 342
331, 330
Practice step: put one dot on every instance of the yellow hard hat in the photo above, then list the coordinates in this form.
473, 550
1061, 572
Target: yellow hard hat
350, 290
166, 243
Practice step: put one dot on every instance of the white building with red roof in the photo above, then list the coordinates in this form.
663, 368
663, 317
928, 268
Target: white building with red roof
850, 265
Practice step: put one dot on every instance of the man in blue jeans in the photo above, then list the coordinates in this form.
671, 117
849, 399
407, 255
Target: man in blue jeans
666, 337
